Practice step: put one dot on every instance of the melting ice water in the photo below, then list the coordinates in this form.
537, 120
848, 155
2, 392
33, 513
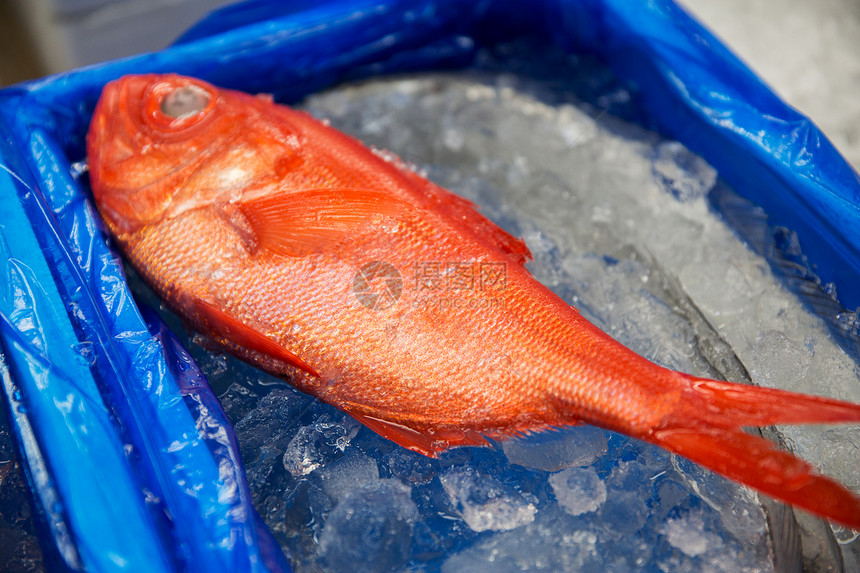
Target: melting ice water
621, 226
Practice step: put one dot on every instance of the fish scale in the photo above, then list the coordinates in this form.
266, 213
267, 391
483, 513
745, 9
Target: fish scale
473, 359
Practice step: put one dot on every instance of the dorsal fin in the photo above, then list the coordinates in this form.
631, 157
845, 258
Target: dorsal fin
230, 328
299, 223
467, 212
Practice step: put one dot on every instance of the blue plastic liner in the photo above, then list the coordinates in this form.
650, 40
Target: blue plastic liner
131, 460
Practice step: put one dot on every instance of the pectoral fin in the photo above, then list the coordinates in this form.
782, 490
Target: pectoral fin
299, 223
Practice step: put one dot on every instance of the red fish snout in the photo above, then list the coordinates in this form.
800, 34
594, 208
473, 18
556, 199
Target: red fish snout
146, 130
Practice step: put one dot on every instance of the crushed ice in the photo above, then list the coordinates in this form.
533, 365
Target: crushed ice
611, 213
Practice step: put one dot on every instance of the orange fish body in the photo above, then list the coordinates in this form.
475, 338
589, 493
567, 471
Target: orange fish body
317, 259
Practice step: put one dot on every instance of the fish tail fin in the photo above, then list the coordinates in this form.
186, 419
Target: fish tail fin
747, 405
757, 463
709, 432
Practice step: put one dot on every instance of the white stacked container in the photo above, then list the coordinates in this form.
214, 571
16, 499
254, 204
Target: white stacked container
72, 33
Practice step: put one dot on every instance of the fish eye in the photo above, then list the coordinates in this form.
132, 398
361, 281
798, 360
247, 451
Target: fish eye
184, 102
175, 104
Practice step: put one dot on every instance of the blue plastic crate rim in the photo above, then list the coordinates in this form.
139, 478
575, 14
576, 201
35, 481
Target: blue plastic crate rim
131, 460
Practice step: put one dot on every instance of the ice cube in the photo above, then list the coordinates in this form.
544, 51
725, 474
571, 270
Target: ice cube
342, 476
313, 445
485, 503
685, 533
682, 173
554, 541
302, 455
553, 451
578, 490
370, 529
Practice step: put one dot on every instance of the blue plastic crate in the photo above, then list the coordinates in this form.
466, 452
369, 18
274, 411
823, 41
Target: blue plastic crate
108, 409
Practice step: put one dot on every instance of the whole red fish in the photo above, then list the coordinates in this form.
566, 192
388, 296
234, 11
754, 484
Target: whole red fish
339, 268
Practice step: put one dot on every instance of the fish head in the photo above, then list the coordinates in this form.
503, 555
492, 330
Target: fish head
159, 145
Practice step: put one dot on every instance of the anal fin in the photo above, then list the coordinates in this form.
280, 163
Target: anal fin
237, 332
428, 444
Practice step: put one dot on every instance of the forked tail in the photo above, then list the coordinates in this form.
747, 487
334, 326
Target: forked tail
707, 430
